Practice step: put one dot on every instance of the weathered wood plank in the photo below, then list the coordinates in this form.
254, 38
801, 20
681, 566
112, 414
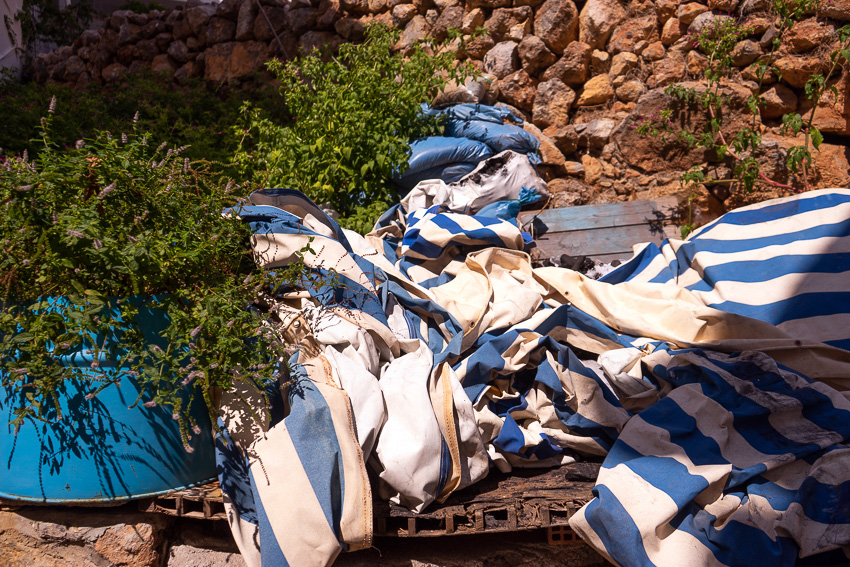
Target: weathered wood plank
616, 242
604, 232
592, 217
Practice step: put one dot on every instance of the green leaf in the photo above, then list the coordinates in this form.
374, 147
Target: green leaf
817, 137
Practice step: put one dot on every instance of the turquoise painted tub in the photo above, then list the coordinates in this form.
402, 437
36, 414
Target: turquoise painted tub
101, 450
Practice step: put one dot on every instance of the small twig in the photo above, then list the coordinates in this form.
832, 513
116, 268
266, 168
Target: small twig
271, 27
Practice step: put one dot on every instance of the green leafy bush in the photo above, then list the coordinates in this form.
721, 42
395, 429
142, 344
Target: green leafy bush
349, 121
187, 115
114, 226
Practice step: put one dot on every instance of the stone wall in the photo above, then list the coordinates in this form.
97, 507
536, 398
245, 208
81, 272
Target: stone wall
583, 73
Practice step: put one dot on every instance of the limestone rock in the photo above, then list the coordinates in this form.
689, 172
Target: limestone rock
321, 40
473, 19
778, 100
451, 17
697, 63
564, 137
504, 21
491, 4
228, 9
551, 158
329, 13
227, 62
112, 73
416, 30
302, 20
552, 104
723, 5
596, 133
598, 19
573, 168
835, 10
592, 169
534, 56
796, 70
569, 192
630, 91
597, 90
704, 20
401, 13
89, 38
629, 33
478, 47
262, 30
55, 537
519, 89
669, 70
807, 35
74, 67
671, 32
199, 16
178, 51
833, 112
129, 33
623, 63
745, 52
245, 21
653, 155
163, 40
163, 64
154, 28
556, 23
665, 9
502, 60
654, 51
600, 61
220, 30
574, 67
146, 50
687, 13
354, 30
751, 73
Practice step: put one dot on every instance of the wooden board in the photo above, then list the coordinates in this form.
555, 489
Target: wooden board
604, 232
522, 500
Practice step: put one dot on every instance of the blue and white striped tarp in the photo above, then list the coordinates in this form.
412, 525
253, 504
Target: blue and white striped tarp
440, 351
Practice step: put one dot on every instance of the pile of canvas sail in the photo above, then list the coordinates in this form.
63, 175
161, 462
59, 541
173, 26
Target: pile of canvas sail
431, 350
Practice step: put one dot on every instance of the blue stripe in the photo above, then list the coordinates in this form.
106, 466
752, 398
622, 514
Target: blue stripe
271, 555
802, 306
780, 210
234, 476
751, 419
615, 527
736, 543
636, 266
757, 271
311, 428
836, 229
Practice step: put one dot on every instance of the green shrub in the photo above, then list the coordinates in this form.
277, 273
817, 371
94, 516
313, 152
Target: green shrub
349, 121
110, 219
185, 115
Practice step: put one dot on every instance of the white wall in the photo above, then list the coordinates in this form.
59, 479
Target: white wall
8, 57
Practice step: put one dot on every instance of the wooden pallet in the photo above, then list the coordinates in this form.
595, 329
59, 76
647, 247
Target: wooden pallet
603, 232
522, 500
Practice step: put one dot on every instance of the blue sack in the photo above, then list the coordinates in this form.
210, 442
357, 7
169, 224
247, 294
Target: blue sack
505, 210
443, 158
487, 124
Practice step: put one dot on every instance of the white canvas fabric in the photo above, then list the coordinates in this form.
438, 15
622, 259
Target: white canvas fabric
440, 351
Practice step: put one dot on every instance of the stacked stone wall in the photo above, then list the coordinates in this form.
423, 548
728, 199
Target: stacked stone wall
583, 74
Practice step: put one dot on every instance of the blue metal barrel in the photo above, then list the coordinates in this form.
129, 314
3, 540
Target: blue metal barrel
101, 450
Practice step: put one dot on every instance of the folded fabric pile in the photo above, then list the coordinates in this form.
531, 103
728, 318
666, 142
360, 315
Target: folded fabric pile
711, 374
473, 133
